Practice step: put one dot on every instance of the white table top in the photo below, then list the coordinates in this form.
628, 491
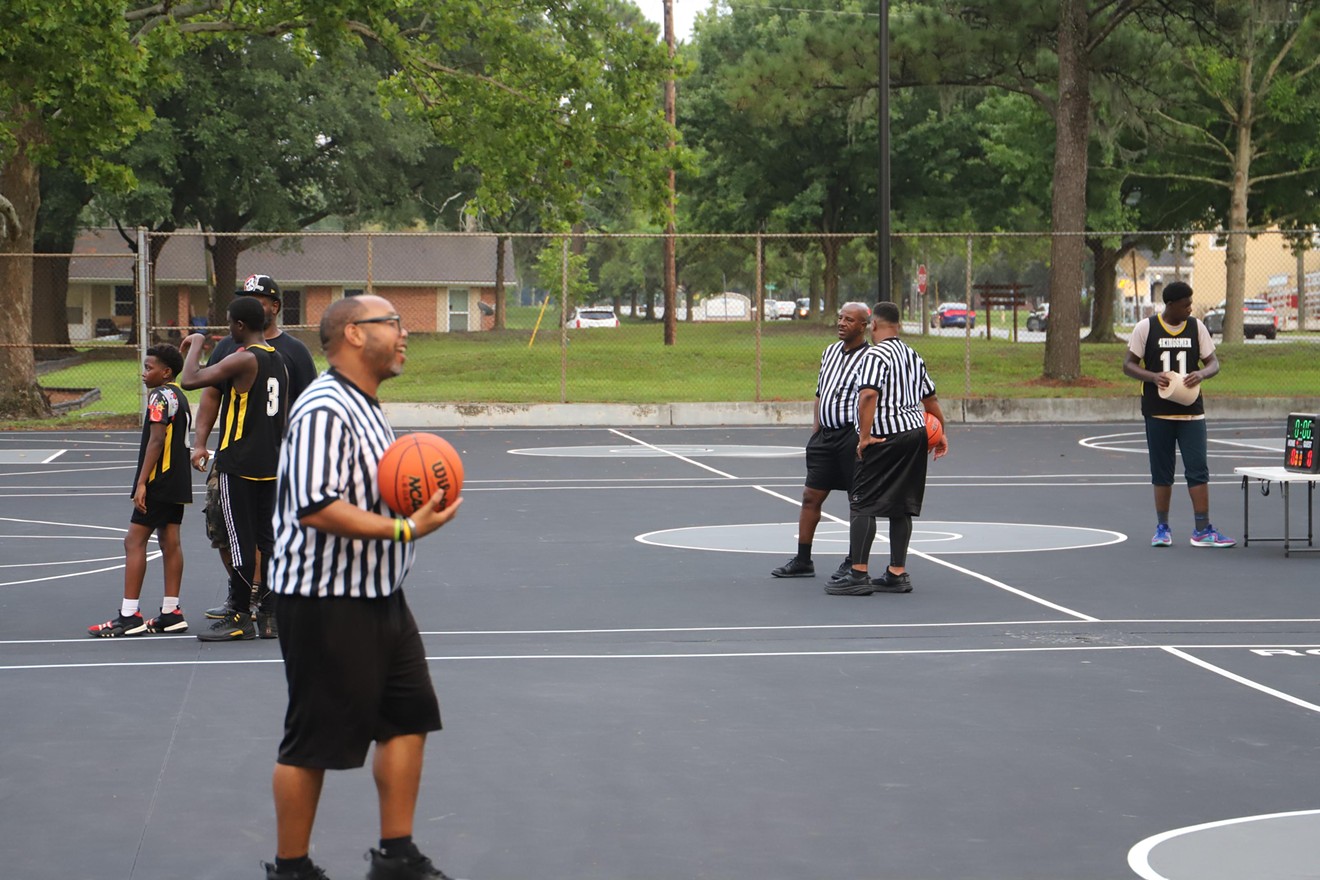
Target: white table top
1276, 474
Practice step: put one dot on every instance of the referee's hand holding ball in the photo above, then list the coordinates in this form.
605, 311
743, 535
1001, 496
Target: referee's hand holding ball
434, 514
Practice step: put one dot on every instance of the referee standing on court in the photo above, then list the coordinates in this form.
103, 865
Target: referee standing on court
832, 448
353, 658
894, 394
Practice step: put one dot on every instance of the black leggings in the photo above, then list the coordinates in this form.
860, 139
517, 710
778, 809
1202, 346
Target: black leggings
861, 535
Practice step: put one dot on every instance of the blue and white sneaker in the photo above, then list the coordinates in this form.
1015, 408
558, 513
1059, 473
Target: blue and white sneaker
1211, 537
1162, 537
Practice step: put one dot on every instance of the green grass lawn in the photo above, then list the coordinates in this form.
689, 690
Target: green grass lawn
719, 362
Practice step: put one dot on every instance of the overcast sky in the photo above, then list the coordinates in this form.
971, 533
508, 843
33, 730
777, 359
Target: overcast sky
684, 12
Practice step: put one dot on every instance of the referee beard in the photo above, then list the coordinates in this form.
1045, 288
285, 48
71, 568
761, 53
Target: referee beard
365, 343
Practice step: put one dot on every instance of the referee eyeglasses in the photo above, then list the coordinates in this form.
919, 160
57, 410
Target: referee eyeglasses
392, 318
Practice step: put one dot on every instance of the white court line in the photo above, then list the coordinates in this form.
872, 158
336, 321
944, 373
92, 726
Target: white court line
958, 568
86, 470
704, 655
1139, 855
770, 628
55, 456
1231, 676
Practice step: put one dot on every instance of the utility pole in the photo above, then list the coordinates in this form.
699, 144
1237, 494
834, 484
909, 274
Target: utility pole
886, 262
671, 271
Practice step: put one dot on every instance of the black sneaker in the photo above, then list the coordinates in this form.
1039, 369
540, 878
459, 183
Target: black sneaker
168, 623
854, 583
237, 626
220, 611
843, 569
119, 626
888, 582
266, 628
311, 872
795, 568
407, 867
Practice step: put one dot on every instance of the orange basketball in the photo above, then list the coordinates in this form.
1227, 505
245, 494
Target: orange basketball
414, 467
934, 431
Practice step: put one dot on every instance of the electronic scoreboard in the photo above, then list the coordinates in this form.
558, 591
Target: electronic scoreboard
1299, 444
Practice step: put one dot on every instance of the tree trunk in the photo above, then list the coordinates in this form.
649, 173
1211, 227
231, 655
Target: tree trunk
1235, 259
829, 248
500, 241
1072, 131
1106, 290
20, 181
50, 298
224, 256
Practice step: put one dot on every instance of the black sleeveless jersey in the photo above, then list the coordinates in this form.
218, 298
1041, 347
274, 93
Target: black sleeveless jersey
170, 480
1168, 352
252, 422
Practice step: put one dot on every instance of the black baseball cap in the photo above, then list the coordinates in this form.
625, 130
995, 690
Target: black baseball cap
259, 285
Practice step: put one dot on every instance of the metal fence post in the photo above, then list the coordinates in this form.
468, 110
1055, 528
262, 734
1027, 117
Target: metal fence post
143, 307
760, 312
967, 330
563, 324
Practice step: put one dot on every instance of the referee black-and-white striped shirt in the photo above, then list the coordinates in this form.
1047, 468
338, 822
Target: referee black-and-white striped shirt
336, 436
837, 386
899, 375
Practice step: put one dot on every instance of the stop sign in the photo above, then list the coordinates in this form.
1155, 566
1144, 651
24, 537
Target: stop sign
921, 279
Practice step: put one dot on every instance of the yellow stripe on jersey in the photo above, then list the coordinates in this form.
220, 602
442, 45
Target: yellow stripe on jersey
235, 415
163, 465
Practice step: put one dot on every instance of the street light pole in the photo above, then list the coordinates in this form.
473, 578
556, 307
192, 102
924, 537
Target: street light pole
885, 269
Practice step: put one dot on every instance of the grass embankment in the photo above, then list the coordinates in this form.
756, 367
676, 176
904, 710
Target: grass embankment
717, 362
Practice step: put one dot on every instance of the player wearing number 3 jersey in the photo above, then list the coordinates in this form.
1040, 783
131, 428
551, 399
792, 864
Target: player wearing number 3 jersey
1168, 343
253, 385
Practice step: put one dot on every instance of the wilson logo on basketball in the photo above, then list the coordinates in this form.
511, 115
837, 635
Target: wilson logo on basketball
414, 468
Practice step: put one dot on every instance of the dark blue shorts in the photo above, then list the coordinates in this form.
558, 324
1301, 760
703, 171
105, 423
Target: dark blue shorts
1186, 436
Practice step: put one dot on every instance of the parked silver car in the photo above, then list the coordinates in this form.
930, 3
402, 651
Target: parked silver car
1258, 319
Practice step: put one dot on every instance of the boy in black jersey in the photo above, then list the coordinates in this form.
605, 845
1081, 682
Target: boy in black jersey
1175, 342
162, 487
253, 382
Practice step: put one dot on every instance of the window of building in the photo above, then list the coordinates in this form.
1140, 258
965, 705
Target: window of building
458, 309
290, 307
125, 301
353, 291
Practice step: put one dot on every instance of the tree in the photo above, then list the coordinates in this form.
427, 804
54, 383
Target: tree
774, 109
542, 100
1250, 120
1055, 54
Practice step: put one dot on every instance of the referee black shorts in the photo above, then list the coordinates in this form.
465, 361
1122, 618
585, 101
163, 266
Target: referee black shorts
357, 674
891, 477
831, 455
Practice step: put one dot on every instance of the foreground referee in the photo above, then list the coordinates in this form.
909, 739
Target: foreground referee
894, 394
353, 658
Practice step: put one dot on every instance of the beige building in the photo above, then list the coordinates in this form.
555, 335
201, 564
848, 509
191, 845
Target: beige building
1272, 270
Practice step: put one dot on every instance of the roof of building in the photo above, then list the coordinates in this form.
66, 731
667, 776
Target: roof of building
340, 260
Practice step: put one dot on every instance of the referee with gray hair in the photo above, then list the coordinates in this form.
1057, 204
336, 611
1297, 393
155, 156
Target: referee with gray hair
895, 392
353, 658
831, 448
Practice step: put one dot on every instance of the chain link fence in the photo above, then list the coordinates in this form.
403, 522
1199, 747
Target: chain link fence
523, 318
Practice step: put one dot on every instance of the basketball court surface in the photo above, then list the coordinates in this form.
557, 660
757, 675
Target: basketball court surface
628, 694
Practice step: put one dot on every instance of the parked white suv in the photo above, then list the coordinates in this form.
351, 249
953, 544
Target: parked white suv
592, 316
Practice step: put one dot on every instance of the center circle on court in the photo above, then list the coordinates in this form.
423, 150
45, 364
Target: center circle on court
665, 451
934, 537
1273, 846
